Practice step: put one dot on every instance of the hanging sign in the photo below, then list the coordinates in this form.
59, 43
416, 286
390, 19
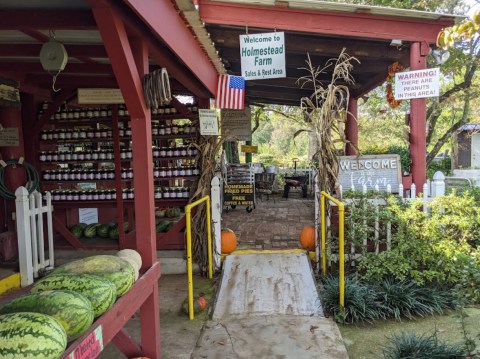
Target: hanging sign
417, 84
249, 149
237, 124
9, 93
9, 137
263, 56
96, 96
369, 170
208, 122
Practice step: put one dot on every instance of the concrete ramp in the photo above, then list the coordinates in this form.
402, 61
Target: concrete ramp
268, 307
267, 282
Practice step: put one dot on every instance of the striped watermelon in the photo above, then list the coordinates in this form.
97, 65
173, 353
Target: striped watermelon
99, 291
27, 335
72, 310
115, 269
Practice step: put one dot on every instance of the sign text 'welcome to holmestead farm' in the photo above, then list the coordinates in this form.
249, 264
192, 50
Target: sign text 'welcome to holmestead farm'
263, 55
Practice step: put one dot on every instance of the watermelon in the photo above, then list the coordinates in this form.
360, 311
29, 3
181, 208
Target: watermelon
125, 253
27, 335
161, 226
117, 270
102, 230
72, 310
90, 231
99, 291
132, 257
113, 233
77, 230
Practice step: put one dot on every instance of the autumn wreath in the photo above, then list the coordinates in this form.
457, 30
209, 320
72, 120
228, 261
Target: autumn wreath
392, 70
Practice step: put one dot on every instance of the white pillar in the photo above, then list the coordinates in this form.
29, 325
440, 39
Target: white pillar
438, 188
216, 220
24, 236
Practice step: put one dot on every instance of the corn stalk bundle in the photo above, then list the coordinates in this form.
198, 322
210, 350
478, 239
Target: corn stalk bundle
208, 149
325, 112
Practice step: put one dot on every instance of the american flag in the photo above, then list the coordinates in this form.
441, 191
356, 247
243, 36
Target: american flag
230, 92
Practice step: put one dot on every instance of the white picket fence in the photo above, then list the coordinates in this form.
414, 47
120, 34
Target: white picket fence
381, 234
30, 231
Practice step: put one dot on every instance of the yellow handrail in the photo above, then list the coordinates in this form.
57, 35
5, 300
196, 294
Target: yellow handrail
188, 217
341, 242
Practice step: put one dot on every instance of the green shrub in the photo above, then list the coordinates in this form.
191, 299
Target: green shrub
427, 248
405, 299
444, 165
360, 304
366, 302
468, 286
411, 345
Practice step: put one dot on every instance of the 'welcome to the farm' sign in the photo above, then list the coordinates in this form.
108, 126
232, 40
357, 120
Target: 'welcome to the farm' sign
369, 170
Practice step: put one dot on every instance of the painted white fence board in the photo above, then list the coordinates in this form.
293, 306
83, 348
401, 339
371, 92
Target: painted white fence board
30, 233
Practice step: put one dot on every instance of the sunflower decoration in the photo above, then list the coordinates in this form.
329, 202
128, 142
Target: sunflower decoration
392, 70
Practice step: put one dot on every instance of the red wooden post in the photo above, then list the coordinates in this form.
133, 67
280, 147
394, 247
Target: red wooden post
351, 127
130, 62
418, 120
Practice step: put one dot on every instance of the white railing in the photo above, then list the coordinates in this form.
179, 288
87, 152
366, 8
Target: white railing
30, 232
381, 233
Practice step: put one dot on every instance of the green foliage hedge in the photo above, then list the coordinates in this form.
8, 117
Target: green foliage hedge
412, 345
439, 248
365, 302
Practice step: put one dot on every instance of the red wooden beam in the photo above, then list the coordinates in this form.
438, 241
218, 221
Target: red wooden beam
173, 30
321, 22
65, 80
44, 38
74, 19
86, 68
33, 50
124, 342
64, 95
119, 51
418, 123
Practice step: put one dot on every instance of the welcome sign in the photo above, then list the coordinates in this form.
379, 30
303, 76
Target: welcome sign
263, 56
371, 171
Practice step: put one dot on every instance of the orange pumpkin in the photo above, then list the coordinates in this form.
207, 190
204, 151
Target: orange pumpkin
229, 241
307, 238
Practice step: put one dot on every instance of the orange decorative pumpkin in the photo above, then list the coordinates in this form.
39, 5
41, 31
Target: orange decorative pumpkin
229, 241
307, 238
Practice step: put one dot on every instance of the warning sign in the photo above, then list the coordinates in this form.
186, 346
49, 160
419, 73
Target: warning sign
417, 84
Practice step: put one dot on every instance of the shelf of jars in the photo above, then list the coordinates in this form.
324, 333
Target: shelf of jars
110, 194
169, 131
75, 115
159, 173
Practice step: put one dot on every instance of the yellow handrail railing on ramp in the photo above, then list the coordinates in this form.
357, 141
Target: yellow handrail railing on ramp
341, 242
188, 217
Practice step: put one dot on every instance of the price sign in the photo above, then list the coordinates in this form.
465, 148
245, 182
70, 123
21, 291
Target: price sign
90, 347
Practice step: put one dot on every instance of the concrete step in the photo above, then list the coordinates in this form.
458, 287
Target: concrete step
268, 307
267, 282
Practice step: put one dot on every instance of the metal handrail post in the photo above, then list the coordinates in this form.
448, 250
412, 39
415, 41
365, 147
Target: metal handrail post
188, 219
341, 242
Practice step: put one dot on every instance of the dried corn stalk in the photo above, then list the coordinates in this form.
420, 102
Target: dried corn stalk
208, 149
325, 112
